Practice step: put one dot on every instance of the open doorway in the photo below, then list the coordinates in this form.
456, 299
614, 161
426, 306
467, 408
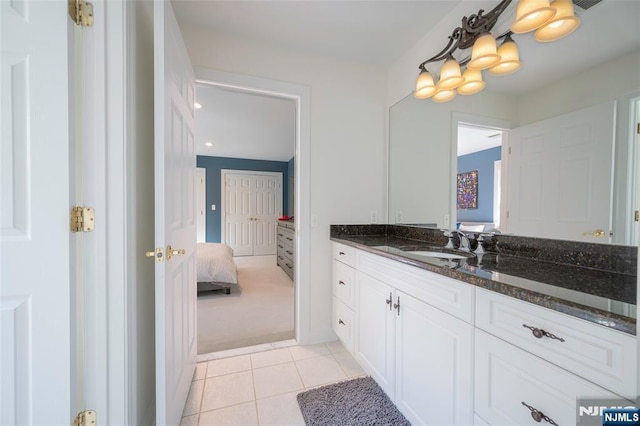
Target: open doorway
245, 141
478, 183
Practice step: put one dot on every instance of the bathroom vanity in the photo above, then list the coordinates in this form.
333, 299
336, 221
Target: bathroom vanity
504, 337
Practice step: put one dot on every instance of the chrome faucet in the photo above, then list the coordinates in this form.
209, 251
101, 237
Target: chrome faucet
465, 244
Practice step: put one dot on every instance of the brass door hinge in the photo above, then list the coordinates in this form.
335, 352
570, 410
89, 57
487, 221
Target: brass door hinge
86, 418
82, 219
81, 12
636, 216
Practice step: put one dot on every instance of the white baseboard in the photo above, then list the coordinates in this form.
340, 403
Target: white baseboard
319, 336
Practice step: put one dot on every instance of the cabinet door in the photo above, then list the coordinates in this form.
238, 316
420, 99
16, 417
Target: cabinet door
434, 364
507, 378
375, 330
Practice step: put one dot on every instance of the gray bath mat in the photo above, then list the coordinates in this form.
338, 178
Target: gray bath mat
354, 402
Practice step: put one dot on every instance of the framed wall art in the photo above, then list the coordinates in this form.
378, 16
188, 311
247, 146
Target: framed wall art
468, 190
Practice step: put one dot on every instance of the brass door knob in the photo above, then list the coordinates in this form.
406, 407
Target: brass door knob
598, 233
174, 252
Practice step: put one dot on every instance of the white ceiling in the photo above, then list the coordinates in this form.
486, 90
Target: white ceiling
373, 32
379, 32
244, 125
473, 139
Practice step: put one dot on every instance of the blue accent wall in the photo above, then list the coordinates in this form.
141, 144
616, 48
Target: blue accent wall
482, 161
214, 165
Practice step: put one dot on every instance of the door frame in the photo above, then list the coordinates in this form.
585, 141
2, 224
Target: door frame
301, 95
104, 379
201, 196
479, 121
223, 178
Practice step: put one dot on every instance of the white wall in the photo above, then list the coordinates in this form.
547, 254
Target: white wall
348, 126
605, 82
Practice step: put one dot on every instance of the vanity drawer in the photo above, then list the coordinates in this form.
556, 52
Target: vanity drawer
506, 376
344, 283
344, 254
343, 323
451, 296
604, 356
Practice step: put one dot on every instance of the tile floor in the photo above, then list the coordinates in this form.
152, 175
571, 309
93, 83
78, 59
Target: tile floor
260, 388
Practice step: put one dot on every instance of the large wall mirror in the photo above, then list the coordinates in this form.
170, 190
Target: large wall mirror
545, 152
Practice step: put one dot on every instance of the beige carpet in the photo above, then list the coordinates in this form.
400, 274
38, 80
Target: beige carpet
258, 310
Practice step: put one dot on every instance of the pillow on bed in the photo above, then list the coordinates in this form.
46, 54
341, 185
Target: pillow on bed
471, 228
215, 263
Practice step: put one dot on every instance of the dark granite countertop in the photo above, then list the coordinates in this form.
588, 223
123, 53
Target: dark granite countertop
601, 296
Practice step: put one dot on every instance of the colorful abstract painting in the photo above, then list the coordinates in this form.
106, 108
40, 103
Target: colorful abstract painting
468, 190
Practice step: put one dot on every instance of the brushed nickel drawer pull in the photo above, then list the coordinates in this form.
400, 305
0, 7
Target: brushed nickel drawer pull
397, 305
538, 415
341, 322
341, 282
342, 253
540, 333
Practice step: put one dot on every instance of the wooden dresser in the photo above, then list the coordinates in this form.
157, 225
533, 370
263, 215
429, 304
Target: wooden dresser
286, 246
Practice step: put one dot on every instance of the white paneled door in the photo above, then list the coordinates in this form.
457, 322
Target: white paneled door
175, 217
34, 213
252, 205
560, 173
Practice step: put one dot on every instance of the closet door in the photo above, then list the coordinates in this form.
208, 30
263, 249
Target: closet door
252, 205
268, 207
238, 215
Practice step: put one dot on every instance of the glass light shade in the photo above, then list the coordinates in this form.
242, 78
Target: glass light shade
424, 85
473, 82
484, 53
563, 23
444, 95
450, 76
510, 60
532, 14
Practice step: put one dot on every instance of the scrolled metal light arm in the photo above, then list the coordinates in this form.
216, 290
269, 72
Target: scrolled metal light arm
465, 35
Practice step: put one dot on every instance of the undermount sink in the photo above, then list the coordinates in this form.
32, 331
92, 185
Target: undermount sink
438, 254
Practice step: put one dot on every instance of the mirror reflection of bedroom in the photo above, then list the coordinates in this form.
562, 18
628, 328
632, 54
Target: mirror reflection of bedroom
245, 143
478, 190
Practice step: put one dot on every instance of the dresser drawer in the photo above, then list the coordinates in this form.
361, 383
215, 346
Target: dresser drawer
344, 324
288, 250
343, 283
506, 377
451, 296
604, 356
344, 254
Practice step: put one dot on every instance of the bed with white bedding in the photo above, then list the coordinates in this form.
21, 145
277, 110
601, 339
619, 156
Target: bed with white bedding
216, 268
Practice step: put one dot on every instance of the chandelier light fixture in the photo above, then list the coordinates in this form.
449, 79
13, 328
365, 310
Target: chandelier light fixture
550, 21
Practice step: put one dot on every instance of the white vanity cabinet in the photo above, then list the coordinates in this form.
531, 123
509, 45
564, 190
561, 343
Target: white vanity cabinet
447, 352
604, 356
420, 355
510, 383
550, 360
343, 290
375, 333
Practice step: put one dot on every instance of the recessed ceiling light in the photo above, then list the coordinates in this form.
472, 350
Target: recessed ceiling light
209, 144
196, 105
